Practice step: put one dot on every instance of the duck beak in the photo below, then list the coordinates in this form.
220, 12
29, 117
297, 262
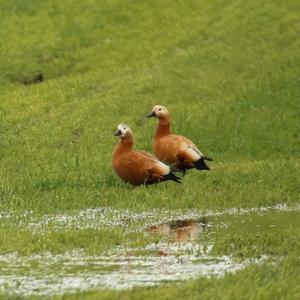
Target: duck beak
152, 114
118, 133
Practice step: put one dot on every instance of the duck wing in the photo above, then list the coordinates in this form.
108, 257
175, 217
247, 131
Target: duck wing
188, 149
158, 171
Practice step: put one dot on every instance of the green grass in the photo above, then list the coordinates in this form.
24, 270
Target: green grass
227, 70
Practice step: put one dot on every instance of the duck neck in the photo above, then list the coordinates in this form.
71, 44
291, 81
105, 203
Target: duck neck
163, 128
124, 145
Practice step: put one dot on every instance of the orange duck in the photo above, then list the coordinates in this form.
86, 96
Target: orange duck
137, 167
176, 150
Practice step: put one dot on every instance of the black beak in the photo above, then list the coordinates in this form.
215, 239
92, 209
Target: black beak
152, 114
118, 133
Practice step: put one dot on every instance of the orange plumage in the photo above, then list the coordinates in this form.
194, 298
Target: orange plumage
176, 150
137, 167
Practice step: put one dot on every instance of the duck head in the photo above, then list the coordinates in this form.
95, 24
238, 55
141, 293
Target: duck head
159, 112
123, 131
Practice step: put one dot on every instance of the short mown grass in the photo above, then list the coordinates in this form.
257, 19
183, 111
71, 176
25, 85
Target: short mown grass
227, 70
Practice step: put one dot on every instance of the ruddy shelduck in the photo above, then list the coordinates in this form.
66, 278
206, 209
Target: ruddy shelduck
135, 166
176, 150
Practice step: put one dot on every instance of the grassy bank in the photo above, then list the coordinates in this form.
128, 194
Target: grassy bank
227, 70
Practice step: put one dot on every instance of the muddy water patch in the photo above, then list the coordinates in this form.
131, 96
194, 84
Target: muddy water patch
48, 274
97, 218
180, 255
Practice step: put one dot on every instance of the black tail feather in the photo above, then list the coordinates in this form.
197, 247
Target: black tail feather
177, 170
200, 164
172, 176
207, 158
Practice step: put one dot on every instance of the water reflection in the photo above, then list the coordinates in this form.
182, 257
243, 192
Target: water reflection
182, 231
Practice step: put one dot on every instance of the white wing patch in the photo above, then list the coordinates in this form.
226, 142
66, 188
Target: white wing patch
198, 151
194, 154
164, 168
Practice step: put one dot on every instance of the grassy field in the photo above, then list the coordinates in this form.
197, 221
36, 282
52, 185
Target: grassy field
229, 71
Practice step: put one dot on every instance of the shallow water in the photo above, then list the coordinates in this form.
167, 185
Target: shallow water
270, 221
48, 274
181, 231
181, 254
97, 218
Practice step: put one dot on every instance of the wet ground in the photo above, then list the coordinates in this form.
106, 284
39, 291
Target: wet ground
184, 250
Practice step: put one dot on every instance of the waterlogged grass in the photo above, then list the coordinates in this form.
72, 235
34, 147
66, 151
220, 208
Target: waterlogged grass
253, 235
177, 249
229, 73
63, 257
263, 282
93, 241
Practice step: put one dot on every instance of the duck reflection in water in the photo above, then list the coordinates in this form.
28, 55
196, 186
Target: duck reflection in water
182, 231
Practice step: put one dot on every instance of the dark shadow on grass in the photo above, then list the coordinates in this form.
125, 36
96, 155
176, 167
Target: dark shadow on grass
38, 78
